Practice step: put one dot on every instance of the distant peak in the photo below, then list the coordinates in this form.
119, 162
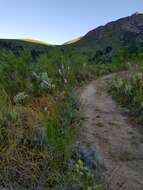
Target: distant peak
136, 13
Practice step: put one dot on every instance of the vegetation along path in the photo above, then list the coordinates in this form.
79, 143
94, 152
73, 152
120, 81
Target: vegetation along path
108, 131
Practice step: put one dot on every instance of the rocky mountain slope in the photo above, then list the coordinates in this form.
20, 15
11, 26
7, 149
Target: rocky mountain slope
124, 32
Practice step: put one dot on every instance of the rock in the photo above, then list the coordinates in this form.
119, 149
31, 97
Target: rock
39, 134
92, 159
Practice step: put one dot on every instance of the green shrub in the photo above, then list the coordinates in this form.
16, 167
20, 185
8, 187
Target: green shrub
5, 106
82, 178
61, 133
129, 93
15, 71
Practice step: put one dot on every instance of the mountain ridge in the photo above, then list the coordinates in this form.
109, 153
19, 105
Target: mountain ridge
116, 34
120, 32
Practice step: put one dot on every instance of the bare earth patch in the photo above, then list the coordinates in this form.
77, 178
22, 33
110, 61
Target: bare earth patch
109, 131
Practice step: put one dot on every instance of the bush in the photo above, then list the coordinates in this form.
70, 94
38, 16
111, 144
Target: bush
5, 106
82, 177
41, 84
61, 130
15, 71
129, 93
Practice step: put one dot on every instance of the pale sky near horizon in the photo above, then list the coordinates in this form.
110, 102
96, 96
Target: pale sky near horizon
57, 21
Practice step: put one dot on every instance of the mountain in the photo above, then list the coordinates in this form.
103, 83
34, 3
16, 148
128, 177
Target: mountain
121, 33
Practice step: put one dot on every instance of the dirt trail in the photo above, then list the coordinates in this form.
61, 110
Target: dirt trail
109, 131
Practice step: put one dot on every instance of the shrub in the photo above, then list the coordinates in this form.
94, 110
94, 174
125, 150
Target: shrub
129, 93
15, 71
41, 84
61, 131
83, 178
3, 101
5, 106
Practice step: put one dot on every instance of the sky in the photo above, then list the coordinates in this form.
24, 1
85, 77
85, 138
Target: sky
58, 21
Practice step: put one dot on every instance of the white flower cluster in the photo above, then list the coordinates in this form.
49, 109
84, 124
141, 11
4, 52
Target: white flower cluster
21, 98
44, 80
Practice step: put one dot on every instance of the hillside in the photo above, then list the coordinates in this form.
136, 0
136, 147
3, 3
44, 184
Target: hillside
70, 115
123, 33
105, 40
19, 44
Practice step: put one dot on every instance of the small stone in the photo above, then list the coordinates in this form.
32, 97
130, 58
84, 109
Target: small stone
39, 136
92, 159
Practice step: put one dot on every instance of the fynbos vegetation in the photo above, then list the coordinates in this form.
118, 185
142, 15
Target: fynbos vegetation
38, 121
39, 103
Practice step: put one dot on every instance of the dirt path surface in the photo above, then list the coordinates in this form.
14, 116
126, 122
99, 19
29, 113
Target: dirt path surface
109, 131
